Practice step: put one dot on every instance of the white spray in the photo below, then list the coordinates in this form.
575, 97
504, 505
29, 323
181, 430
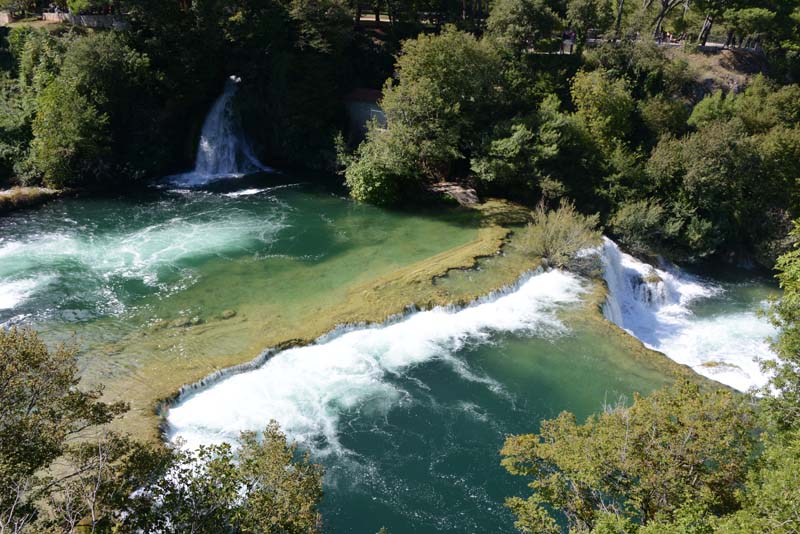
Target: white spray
654, 305
223, 150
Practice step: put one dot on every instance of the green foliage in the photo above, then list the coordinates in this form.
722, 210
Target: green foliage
784, 402
639, 225
604, 104
383, 169
521, 26
445, 91
43, 409
772, 496
585, 15
85, 130
557, 236
640, 464
88, 6
62, 471
71, 140
664, 115
261, 487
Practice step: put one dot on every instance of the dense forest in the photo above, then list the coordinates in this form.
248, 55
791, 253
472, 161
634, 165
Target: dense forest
485, 94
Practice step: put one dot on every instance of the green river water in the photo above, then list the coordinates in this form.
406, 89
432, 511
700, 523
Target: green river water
407, 417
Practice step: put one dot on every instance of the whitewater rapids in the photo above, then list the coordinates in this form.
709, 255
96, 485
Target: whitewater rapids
655, 305
307, 389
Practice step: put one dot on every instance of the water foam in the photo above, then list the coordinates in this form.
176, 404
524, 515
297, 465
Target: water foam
14, 292
87, 264
223, 150
308, 389
654, 305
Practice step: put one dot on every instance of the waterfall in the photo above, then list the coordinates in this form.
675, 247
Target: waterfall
223, 150
654, 305
308, 389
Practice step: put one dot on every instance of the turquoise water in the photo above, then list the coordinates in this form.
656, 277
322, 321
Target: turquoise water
142, 282
407, 417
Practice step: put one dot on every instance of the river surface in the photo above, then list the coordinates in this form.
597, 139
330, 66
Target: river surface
149, 282
406, 416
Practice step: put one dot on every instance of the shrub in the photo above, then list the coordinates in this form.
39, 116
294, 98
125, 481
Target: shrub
559, 235
638, 225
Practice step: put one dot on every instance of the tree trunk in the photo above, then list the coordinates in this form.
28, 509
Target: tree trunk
377, 11
659, 21
706, 30
618, 24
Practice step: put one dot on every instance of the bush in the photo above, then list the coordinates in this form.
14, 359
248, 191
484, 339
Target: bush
666, 457
71, 139
639, 225
557, 236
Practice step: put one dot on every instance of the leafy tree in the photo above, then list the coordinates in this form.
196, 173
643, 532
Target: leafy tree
604, 104
85, 128
260, 487
783, 405
772, 492
43, 410
585, 15
558, 235
637, 464
521, 26
640, 225
446, 86
62, 471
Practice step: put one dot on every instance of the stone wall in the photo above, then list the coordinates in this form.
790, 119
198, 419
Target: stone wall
89, 21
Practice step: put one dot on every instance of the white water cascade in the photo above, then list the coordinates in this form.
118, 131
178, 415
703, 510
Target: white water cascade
306, 389
223, 151
654, 306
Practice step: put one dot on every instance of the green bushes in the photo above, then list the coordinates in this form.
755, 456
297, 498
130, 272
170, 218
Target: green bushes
557, 236
106, 482
640, 226
636, 466
442, 100
682, 460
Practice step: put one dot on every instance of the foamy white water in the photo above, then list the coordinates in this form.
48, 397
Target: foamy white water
307, 389
223, 150
654, 305
14, 292
29, 267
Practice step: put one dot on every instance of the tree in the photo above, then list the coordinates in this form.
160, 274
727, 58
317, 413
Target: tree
43, 411
557, 236
446, 88
604, 104
784, 401
521, 26
637, 464
107, 482
585, 15
664, 8
86, 129
260, 487
71, 138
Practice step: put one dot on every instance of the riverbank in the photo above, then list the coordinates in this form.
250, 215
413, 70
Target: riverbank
17, 198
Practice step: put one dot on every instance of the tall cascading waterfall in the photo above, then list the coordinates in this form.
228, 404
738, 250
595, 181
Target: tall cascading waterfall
223, 150
653, 305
